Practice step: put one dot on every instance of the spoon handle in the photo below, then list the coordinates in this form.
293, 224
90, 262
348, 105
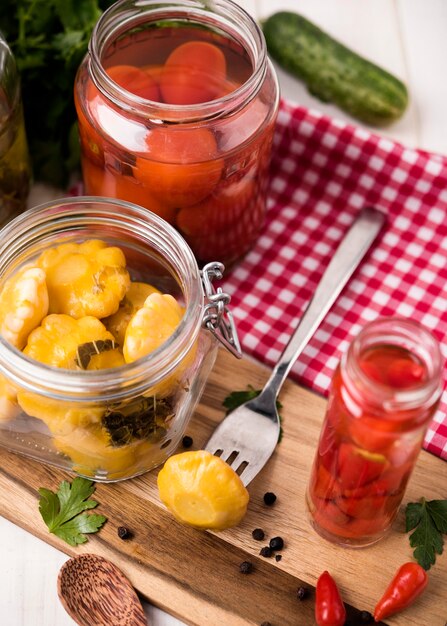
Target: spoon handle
341, 267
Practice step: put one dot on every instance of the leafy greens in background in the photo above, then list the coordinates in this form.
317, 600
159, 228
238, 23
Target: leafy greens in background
49, 39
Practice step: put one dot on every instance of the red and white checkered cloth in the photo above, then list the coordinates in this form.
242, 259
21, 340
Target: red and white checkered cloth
323, 172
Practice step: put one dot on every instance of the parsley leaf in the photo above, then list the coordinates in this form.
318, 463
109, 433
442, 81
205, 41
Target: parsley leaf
63, 511
428, 520
236, 398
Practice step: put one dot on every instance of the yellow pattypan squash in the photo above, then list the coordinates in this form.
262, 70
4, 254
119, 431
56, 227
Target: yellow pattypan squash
9, 408
89, 278
64, 342
91, 451
151, 326
23, 304
147, 329
132, 301
201, 490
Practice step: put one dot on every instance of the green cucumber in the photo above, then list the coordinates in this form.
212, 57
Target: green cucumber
332, 72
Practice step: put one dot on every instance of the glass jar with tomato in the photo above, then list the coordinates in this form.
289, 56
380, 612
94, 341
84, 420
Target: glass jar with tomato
176, 103
383, 395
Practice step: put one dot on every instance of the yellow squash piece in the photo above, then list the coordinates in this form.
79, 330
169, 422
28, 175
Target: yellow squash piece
132, 301
64, 342
9, 408
91, 450
23, 305
58, 340
151, 326
201, 490
89, 278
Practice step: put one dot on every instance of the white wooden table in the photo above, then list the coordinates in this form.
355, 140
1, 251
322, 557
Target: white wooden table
407, 37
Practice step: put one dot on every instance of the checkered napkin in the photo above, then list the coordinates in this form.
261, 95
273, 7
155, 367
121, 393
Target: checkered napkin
323, 172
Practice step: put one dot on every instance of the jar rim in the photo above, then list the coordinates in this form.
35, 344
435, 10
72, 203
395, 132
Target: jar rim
254, 42
43, 220
390, 331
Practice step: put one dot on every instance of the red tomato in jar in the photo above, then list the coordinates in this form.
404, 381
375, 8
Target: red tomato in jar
181, 167
194, 72
135, 80
221, 210
100, 181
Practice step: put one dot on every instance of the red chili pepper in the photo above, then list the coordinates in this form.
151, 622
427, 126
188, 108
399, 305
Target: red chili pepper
329, 607
408, 583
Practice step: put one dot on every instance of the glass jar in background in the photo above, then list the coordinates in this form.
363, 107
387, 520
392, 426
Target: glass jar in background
95, 413
177, 103
15, 169
383, 395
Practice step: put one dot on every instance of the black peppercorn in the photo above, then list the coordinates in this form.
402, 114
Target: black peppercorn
258, 534
124, 533
278, 557
269, 498
266, 551
366, 617
245, 567
302, 593
277, 543
266, 624
187, 441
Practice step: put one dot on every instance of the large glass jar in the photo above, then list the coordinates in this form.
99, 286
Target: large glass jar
383, 395
176, 103
15, 168
113, 420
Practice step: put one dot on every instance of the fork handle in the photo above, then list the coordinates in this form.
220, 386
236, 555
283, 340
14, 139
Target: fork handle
341, 267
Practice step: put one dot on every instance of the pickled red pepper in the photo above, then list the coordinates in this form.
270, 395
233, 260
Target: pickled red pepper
407, 585
382, 398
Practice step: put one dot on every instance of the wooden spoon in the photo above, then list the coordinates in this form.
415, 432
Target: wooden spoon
94, 592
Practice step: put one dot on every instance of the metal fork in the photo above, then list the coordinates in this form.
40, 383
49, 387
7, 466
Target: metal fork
247, 437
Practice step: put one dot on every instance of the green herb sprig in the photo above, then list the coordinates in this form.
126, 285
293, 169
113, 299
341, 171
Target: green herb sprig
49, 39
63, 511
236, 398
429, 522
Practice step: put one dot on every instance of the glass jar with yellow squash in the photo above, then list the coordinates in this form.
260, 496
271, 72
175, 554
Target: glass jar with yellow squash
103, 350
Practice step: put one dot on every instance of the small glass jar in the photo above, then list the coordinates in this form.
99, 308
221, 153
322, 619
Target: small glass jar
119, 421
15, 168
383, 395
192, 141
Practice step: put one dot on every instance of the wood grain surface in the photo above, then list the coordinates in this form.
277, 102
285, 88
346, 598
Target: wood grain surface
195, 575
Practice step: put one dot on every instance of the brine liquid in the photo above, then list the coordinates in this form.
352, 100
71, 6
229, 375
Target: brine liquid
15, 170
364, 460
208, 179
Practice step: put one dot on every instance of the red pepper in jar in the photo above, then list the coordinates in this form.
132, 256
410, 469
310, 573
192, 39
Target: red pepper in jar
329, 607
408, 583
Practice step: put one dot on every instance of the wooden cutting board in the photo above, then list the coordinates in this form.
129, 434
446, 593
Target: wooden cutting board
195, 575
